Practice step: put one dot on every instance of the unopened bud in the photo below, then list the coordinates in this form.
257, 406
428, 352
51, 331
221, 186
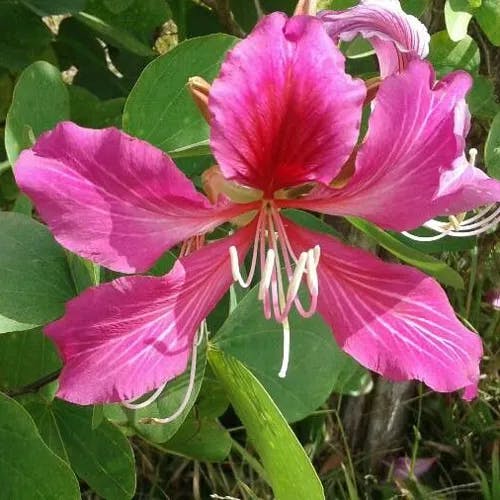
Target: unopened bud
199, 90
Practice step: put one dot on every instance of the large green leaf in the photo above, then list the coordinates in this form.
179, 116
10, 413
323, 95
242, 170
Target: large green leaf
25, 357
40, 101
288, 468
23, 36
201, 438
457, 15
28, 468
36, 282
426, 263
492, 149
101, 457
160, 109
317, 365
447, 55
488, 17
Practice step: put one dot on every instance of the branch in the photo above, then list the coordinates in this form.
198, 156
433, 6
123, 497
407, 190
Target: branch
226, 17
34, 386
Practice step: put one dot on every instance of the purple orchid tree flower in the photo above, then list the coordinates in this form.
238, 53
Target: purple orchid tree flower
285, 120
397, 37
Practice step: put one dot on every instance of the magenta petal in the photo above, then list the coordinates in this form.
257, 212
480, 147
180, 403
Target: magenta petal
415, 136
397, 37
112, 198
391, 318
284, 111
463, 188
129, 336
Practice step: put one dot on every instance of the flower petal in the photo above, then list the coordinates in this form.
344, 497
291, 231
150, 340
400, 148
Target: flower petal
129, 336
284, 112
391, 318
397, 37
112, 198
463, 188
412, 147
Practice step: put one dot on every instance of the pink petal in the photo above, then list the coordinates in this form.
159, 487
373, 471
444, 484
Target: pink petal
284, 112
397, 37
402, 466
463, 188
129, 336
391, 318
410, 154
112, 198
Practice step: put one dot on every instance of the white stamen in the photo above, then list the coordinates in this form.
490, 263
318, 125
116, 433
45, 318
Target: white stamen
285, 360
294, 285
267, 274
312, 274
147, 402
460, 227
235, 264
187, 396
472, 156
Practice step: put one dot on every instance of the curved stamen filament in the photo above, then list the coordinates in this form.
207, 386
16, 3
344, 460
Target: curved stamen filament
198, 338
460, 227
279, 262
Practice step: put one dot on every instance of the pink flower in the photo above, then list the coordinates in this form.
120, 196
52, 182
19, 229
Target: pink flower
285, 120
397, 37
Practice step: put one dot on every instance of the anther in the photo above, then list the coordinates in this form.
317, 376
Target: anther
472, 156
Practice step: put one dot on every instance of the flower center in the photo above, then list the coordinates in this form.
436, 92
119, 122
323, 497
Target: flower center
282, 273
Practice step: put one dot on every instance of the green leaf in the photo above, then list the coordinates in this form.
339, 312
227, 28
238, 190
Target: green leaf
317, 365
160, 109
89, 111
488, 17
36, 282
26, 357
492, 149
55, 7
289, 470
201, 439
426, 263
40, 101
482, 99
23, 36
414, 7
119, 37
457, 15
28, 468
102, 457
447, 55
84, 272
137, 20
